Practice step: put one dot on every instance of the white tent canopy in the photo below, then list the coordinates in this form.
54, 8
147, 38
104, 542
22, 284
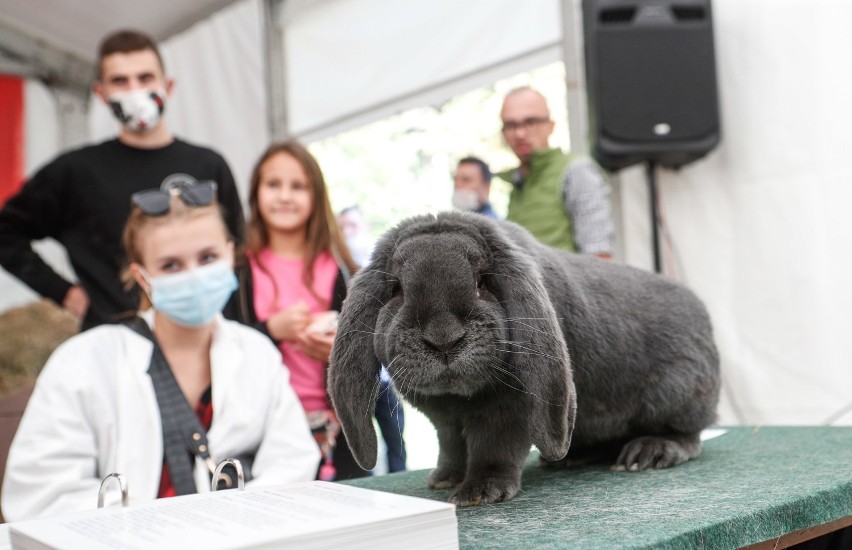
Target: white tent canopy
449, 48
759, 228
338, 67
56, 41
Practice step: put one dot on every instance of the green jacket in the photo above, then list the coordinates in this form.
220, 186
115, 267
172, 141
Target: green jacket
537, 202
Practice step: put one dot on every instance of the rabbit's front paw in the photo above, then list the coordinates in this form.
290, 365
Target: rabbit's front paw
486, 491
444, 478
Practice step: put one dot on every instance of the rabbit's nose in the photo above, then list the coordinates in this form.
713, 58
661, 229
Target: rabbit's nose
443, 333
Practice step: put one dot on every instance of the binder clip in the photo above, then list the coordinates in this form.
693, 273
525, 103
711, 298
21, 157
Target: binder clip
217, 475
122, 485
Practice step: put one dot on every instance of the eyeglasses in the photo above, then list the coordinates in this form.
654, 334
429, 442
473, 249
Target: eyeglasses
155, 202
526, 124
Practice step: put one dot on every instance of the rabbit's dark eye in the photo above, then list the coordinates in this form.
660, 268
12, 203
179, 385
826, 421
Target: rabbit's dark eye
480, 282
397, 289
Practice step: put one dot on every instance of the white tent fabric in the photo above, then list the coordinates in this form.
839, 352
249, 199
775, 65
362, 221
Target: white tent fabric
349, 62
760, 226
77, 29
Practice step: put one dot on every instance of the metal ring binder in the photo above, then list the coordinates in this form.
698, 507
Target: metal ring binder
217, 473
122, 485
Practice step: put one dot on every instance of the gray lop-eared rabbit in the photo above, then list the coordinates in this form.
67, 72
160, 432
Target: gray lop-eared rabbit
504, 342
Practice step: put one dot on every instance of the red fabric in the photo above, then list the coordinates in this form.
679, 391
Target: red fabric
11, 136
204, 412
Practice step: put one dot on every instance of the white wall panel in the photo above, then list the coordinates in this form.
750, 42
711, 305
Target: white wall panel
761, 226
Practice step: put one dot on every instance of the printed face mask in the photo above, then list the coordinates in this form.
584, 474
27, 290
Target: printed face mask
192, 298
138, 110
465, 199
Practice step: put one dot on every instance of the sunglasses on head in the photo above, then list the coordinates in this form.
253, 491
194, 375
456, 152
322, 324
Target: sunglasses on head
155, 202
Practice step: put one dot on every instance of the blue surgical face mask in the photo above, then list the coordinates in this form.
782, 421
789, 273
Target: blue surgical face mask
192, 298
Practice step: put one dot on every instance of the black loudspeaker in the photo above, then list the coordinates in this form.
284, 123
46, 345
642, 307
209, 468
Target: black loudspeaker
651, 81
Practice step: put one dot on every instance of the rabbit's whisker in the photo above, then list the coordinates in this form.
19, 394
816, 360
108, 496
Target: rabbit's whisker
489, 376
526, 390
530, 327
371, 402
530, 351
520, 390
507, 372
376, 392
519, 277
376, 298
469, 313
391, 275
510, 342
389, 365
362, 332
404, 379
396, 408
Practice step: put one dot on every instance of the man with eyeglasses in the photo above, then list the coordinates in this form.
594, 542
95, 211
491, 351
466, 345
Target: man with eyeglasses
82, 198
560, 198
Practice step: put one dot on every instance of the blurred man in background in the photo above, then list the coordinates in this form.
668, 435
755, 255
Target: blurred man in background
471, 187
560, 198
82, 198
356, 232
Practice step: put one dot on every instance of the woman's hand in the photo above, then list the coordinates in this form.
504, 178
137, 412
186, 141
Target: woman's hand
289, 322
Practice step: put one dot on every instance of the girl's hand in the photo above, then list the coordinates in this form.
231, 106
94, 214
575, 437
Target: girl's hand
288, 323
317, 345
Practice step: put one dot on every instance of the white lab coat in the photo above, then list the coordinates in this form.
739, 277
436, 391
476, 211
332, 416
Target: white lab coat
94, 412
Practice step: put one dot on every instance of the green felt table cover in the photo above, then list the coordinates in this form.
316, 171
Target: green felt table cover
749, 485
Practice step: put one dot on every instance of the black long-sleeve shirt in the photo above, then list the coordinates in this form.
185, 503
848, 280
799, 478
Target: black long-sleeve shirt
82, 199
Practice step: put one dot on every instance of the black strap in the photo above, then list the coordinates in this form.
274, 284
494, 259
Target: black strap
182, 431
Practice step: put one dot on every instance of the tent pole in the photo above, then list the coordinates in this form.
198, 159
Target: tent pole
573, 56
575, 82
278, 120
651, 173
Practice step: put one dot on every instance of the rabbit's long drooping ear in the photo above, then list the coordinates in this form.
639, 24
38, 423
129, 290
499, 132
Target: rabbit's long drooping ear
538, 353
353, 367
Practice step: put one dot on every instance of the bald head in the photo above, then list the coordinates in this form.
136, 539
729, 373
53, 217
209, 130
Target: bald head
526, 122
526, 94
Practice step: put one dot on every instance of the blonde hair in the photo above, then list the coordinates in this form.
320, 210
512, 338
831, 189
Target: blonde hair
322, 233
138, 221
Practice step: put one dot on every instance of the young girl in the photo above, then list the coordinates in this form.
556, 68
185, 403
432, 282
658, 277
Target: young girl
164, 397
294, 282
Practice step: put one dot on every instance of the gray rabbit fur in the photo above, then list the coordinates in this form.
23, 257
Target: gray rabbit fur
504, 342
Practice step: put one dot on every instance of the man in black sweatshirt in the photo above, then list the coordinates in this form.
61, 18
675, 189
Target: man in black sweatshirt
82, 198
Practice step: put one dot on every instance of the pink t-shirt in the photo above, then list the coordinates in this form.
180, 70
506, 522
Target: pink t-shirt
307, 376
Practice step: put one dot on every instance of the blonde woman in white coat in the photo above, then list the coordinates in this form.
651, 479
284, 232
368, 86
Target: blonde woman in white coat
95, 409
